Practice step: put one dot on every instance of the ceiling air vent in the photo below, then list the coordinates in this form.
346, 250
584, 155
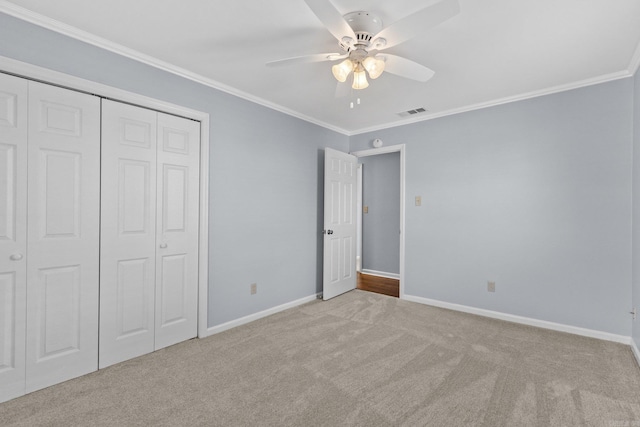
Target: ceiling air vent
412, 112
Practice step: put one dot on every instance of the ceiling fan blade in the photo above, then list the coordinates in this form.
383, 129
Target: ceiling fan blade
305, 59
331, 18
410, 26
404, 67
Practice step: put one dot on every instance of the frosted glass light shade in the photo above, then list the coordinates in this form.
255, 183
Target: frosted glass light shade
360, 79
341, 71
374, 66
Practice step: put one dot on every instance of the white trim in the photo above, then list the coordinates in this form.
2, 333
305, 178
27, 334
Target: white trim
403, 186
203, 249
634, 64
376, 151
256, 316
86, 37
507, 100
34, 72
359, 217
636, 351
381, 274
385, 150
523, 320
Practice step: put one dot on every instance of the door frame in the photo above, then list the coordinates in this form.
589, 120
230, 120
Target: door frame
44, 75
385, 150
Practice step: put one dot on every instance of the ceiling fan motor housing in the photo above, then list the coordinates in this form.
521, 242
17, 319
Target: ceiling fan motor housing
365, 25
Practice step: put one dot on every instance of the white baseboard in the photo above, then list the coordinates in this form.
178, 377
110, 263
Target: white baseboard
635, 350
622, 339
250, 318
524, 320
381, 274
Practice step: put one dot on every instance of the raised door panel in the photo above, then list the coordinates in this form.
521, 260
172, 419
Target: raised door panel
13, 234
60, 178
59, 295
63, 235
128, 227
134, 315
177, 230
333, 260
8, 322
8, 193
173, 292
348, 222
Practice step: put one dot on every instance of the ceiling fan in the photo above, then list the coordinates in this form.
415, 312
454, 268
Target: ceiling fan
362, 40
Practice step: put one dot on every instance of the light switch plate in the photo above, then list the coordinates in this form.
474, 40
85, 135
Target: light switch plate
418, 201
365, 209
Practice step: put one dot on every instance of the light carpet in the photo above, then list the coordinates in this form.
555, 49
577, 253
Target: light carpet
361, 359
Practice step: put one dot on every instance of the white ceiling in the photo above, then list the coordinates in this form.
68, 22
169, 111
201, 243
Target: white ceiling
493, 51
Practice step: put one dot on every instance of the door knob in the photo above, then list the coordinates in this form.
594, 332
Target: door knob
163, 245
330, 232
16, 257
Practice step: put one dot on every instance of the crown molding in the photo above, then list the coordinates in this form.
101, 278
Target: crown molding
507, 100
86, 37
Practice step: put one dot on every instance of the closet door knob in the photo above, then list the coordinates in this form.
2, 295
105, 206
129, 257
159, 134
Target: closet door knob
16, 257
163, 245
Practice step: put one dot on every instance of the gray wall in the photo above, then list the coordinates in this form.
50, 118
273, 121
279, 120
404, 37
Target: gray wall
266, 191
534, 195
636, 207
380, 227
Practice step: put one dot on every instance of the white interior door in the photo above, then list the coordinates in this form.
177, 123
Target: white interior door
177, 230
13, 235
63, 235
128, 232
339, 270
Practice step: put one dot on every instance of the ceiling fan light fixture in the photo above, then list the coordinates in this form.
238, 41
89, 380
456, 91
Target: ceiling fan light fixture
374, 66
360, 79
341, 71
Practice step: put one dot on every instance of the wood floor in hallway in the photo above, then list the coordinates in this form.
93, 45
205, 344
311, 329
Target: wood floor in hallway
379, 285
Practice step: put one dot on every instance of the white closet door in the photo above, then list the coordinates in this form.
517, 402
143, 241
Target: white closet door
128, 232
63, 232
177, 230
13, 234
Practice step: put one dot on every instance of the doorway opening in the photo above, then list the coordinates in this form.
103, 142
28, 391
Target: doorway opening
380, 220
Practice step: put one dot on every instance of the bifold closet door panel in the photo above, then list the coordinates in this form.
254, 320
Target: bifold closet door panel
63, 235
128, 232
177, 230
13, 235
